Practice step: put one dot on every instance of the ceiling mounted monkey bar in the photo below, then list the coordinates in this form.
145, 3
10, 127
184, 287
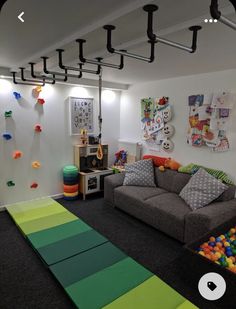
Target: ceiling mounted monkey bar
65, 74
14, 77
32, 64
64, 67
150, 9
216, 14
98, 62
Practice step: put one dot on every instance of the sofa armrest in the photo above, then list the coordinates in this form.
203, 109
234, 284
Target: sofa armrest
110, 183
201, 221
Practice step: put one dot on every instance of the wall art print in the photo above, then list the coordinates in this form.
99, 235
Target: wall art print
80, 115
209, 120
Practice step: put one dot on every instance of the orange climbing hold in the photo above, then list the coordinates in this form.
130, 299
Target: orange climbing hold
17, 154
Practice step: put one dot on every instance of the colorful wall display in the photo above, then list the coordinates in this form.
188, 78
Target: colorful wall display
209, 120
81, 115
156, 131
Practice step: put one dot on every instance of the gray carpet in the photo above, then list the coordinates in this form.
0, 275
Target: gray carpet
26, 283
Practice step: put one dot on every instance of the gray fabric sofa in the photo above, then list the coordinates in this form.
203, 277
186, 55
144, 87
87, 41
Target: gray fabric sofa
163, 208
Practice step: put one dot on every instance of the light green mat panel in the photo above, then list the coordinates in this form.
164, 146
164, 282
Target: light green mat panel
38, 215
151, 294
94, 273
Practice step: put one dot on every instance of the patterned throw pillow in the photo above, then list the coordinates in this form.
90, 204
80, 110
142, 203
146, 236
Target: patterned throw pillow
202, 189
140, 173
193, 168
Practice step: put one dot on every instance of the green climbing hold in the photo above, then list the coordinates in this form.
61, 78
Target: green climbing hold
8, 114
10, 183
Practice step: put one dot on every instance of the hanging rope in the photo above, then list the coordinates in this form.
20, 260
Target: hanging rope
100, 150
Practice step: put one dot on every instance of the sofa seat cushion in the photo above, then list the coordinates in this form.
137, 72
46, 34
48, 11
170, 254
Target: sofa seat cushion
137, 194
169, 211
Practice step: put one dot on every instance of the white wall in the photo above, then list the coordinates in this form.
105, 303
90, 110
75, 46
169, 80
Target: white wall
53, 147
178, 90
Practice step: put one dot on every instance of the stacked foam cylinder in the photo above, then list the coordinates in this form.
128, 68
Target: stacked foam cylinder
70, 178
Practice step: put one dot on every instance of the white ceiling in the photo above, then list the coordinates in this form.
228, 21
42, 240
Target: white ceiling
51, 24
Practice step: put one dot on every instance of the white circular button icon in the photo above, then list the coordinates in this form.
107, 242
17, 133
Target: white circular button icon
212, 286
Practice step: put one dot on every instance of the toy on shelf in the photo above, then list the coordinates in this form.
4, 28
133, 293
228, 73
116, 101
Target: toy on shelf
17, 154
17, 95
38, 128
7, 136
36, 164
221, 250
41, 101
11, 183
84, 136
34, 185
8, 114
120, 158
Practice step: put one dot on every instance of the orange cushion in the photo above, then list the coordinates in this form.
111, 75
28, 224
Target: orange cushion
157, 161
71, 189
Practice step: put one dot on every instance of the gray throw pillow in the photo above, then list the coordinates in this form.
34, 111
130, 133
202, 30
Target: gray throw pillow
140, 173
202, 189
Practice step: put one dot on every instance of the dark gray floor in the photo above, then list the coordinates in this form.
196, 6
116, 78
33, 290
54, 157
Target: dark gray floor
26, 283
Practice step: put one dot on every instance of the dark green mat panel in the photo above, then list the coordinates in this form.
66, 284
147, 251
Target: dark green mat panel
54, 234
71, 246
108, 284
86, 264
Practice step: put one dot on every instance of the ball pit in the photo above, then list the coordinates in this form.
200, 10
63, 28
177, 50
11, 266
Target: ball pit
221, 250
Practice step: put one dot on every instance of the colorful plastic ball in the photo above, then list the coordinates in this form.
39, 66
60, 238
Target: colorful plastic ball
218, 239
232, 231
212, 243
212, 239
219, 244
202, 253
218, 254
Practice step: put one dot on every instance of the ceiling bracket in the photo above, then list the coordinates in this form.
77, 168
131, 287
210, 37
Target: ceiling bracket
26, 83
216, 14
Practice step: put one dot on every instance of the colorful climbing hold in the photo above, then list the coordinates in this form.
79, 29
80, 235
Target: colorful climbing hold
34, 185
17, 95
7, 136
36, 164
10, 183
38, 88
38, 128
41, 101
17, 154
8, 114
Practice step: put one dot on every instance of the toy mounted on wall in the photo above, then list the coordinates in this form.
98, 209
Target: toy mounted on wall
38, 128
7, 136
8, 114
155, 117
17, 95
17, 154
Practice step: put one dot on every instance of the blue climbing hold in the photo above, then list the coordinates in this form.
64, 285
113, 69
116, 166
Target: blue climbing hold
17, 95
7, 136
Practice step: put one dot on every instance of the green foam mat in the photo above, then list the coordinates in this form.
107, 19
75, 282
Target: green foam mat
71, 246
107, 285
60, 232
151, 294
36, 213
86, 264
46, 222
24, 206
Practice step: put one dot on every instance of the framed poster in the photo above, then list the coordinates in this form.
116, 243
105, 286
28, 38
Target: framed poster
80, 115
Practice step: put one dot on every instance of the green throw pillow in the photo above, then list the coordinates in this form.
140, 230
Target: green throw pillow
193, 168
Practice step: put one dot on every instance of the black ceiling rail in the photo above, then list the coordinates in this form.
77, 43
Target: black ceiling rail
91, 61
53, 78
64, 67
216, 14
66, 74
22, 70
112, 50
149, 8
42, 83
